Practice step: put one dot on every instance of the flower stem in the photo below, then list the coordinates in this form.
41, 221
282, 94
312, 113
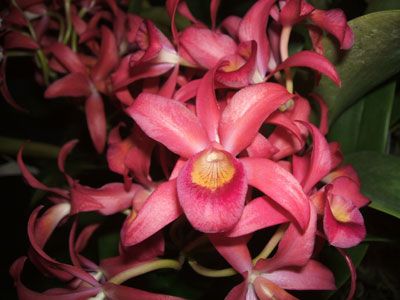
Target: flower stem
10, 146
272, 243
145, 268
211, 272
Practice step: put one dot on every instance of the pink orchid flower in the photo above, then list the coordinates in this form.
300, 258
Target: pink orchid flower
211, 184
108, 199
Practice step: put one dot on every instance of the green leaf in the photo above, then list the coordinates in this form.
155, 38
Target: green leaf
395, 118
365, 125
379, 5
380, 177
374, 58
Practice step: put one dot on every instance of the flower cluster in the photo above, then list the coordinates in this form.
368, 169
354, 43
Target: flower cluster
216, 110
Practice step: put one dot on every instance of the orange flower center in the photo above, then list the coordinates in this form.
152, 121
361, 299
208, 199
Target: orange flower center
212, 169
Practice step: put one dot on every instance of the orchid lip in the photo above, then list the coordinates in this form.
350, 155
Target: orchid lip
212, 170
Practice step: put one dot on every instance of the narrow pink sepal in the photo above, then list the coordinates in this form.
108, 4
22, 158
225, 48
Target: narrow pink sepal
120, 292
168, 88
207, 108
108, 58
311, 60
295, 248
77, 245
160, 209
209, 210
33, 182
64, 152
245, 113
187, 91
343, 234
261, 147
71, 85
68, 58
107, 200
320, 161
171, 6
18, 40
334, 21
25, 293
96, 120
169, 122
206, 47
234, 250
313, 276
264, 288
253, 27
257, 214
280, 186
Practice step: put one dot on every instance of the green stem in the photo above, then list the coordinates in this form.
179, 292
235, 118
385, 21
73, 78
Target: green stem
272, 243
11, 146
67, 7
145, 268
211, 272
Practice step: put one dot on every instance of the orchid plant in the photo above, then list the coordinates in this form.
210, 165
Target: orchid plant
215, 140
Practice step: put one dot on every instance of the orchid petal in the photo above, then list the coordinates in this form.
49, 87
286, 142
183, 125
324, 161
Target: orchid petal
311, 60
108, 58
33, 182
206, 47
169, 122
214, 5
234, 250
343, 222
238, 292
71, 85
313, 276
68, 58
294, 12
231, 24
261, 147
349, 189
334, 21
253, 27
160, 209
246, 112
207, 108
18, 40
280, 186
96, 120
323, 123
257, 214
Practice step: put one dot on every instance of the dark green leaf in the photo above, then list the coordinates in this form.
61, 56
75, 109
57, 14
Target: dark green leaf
395, 118
374, 58
365, 125
380, 177
379, 5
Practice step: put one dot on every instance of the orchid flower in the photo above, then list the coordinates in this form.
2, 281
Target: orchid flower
211, 185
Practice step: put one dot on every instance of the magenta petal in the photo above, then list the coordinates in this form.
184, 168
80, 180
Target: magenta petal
120, 292
323, 110
257, 214
334, 21
234, 250
212, 188
231, 25
169, 122
320, 162
349, 189
239, 292
295, 248
261, 147
280, 186
160, 209
214, 5
311, 60
207, 47
72, 85
246, 112
207, 108
294, 11
108, 55
267, 290
68, 58
253, 27
343, 222
187, 91
33, 182
96, 120
313, 276
18, 40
